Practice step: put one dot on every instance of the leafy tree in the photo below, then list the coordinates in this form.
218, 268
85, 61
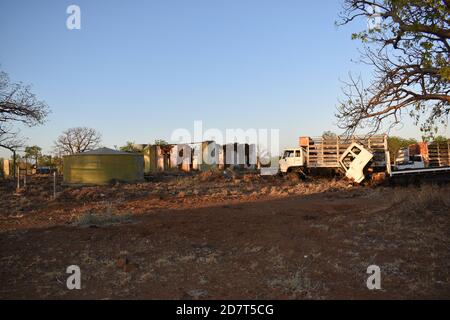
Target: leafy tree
440, 139
46, 160
409, 52
77, 140
436, 139
161, 142
397, 143
131, 147
33, 152
329, 135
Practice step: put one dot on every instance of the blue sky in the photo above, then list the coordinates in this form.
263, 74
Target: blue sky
137, 70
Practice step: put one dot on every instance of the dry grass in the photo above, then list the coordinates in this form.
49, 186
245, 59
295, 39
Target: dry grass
422, 199
108, 217
298, 283
210, 175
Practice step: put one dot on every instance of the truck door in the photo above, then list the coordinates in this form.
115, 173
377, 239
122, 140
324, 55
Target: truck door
354, 160
287, 160
298, 160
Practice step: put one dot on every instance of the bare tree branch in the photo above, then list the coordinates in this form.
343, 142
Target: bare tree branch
17, 105
410, 55
77, 140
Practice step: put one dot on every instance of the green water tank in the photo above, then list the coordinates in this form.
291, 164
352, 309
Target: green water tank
103, 166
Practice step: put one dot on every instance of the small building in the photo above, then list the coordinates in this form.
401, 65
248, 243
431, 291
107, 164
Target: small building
157, 158
201, 156
238, 155
5, 168
181, 157
185, 157
205, 155
103, 166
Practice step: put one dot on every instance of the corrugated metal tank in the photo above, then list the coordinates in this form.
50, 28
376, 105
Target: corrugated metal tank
103, 166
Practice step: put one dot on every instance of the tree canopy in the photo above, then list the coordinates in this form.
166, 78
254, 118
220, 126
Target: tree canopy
33, 152
409, 52
329, 135
18, 105
397, 143
77, 140
130, 146
161, 142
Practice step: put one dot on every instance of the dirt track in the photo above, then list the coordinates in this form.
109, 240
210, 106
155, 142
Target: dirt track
294, 240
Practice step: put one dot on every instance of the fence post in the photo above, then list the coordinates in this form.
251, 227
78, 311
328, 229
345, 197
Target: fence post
26, 172
54, 184
18, 178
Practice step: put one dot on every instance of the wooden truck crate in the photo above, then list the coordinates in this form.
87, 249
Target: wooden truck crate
326, 152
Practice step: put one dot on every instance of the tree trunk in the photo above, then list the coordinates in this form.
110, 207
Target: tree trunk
14, 163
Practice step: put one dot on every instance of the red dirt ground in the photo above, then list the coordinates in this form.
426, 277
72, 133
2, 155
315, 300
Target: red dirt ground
233, 236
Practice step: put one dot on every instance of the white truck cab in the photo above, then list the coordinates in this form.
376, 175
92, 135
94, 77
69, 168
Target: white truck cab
293, 159
354, 160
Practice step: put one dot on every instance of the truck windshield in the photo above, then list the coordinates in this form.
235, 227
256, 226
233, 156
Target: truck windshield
288, 154
347, 160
